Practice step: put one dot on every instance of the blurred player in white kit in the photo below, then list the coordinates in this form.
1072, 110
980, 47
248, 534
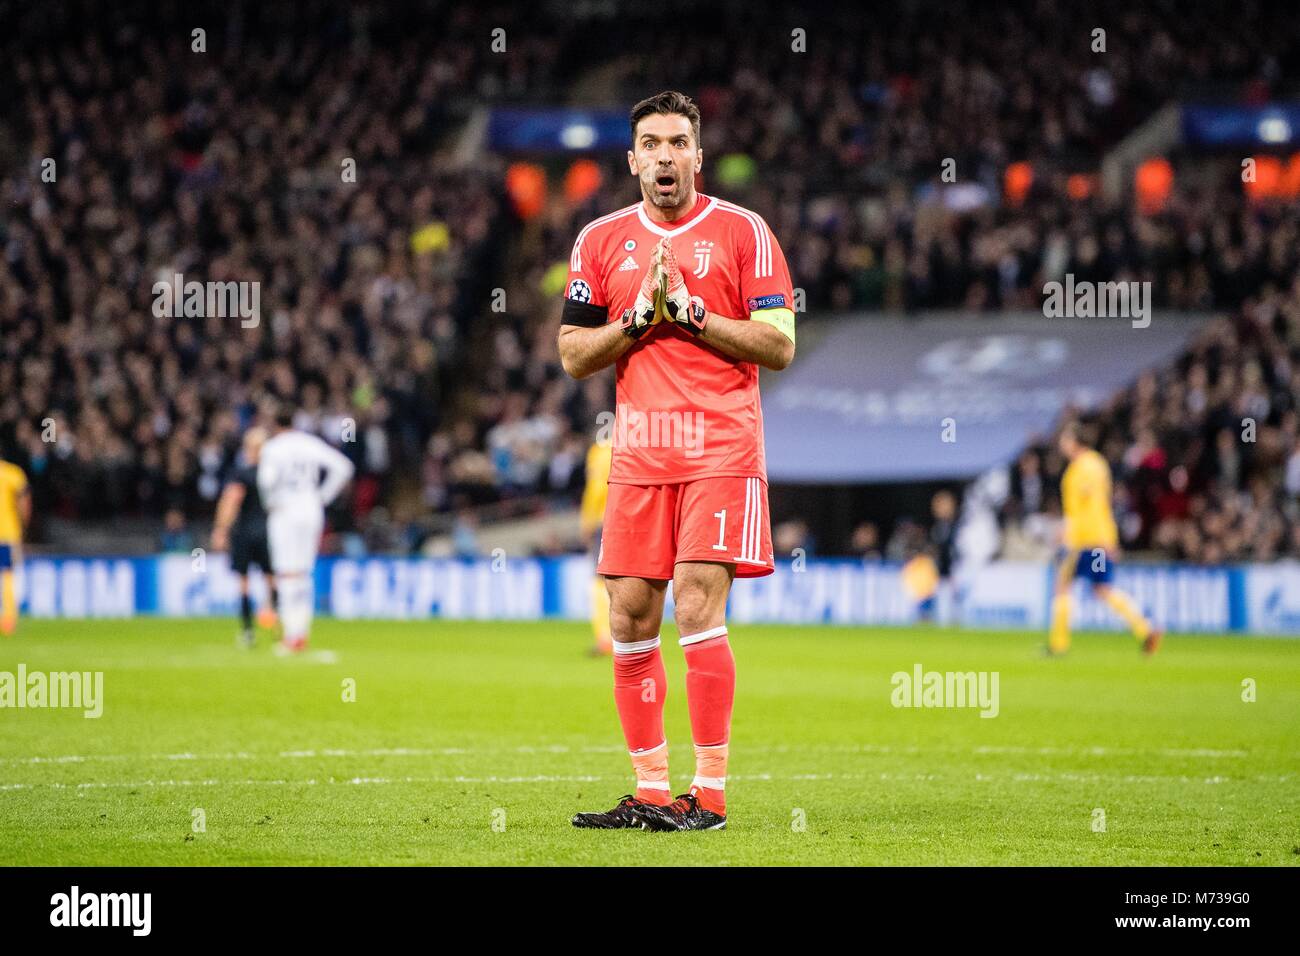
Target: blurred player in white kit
298, 476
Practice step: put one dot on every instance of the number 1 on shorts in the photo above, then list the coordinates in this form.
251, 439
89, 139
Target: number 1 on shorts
722, 529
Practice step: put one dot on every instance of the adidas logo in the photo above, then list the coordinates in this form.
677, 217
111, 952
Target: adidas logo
628, 265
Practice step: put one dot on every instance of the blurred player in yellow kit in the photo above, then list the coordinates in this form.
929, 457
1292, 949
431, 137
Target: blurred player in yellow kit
594, 495
1091, 539
15, 514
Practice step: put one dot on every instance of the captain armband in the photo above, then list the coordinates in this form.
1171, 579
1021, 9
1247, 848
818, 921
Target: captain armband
584, 314
780, 319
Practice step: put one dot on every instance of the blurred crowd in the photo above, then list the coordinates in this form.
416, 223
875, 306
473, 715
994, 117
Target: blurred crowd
261, 158
312, 148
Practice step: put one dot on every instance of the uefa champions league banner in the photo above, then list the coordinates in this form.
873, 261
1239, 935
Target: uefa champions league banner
1013, 595
1272, 598
824, 592
1219, 125
557, 129
939, 398
87, 587
388, 588
1255, 599
827, 592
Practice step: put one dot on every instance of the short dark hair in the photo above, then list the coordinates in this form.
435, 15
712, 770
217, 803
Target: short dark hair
1082, 432
670, 103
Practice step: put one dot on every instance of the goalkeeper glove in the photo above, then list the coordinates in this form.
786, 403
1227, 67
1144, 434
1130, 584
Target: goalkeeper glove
679, 305
648, 309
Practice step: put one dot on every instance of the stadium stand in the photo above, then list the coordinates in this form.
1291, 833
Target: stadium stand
375, 293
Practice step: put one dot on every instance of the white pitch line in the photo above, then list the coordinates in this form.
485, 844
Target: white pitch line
547, 778
1112, 751
984, 750
347, 781
309, 754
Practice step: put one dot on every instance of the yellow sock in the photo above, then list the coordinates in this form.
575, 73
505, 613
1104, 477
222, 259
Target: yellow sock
8, 595
600, 614
1058, 641
8, 602
1123, 605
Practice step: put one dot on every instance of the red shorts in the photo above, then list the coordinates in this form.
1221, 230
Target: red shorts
649, 528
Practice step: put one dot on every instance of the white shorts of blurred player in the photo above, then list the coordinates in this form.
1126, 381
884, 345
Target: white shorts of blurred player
293, 537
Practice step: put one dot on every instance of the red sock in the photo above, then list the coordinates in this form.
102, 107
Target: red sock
710, 689
639, 687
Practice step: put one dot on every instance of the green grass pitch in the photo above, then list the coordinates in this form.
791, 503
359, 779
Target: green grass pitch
473, 743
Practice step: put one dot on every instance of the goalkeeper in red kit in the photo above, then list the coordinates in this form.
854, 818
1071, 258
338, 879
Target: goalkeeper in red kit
686, 295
